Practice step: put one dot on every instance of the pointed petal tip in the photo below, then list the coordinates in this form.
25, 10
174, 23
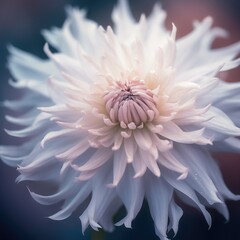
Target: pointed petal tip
126, 222
46, 47
111, 185
19, 179
234, 197
58, 216
183, 175
42, 143
156, 173
84, 222
138, 175
95, 225
47, 50
174, 32
209, 225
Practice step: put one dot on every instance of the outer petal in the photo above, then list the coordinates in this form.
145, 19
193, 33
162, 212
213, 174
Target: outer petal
30, 71
123, 19
131, 196
102, 196
159, 194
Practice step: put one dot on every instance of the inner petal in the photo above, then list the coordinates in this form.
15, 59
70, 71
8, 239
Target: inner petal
130, 103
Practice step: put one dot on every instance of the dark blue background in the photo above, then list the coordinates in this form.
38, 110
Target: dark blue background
23, 219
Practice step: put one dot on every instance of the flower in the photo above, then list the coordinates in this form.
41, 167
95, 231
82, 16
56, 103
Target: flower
118, 116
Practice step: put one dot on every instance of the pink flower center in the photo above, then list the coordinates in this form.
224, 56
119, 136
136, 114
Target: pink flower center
130, 104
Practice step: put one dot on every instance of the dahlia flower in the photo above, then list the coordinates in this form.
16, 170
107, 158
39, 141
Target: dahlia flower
123, 114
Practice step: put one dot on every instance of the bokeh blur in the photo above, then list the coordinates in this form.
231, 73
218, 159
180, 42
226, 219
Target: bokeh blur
21, 22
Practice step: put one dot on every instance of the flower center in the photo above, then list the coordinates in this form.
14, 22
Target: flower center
130, 103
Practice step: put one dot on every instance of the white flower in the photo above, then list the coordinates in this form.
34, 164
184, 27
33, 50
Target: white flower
120, 115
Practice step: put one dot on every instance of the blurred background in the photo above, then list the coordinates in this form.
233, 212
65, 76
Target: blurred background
21, 22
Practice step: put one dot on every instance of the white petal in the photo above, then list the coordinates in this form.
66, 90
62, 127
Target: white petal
175, 133
30, 71
106, 220
198, 177
132, 196
122, 18
119, 165
96, 160
71, 204
150, 162
189, 196
102, 196
175, 213
169, 161
143, 139
159, 195
139, 165
220, 125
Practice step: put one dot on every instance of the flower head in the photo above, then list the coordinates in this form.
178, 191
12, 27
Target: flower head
120, 115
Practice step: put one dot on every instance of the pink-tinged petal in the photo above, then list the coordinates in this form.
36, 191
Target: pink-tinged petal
138, 165
119, 166
175, 133
130, 149
143, 139
150, 162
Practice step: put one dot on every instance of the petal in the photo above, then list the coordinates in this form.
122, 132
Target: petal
102, 196
122, 18
131, 196
198, 176
219, 125
29, 71
186, 193
100, 157
119, 166
175, 213
71, 204
159, 195
175, 133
